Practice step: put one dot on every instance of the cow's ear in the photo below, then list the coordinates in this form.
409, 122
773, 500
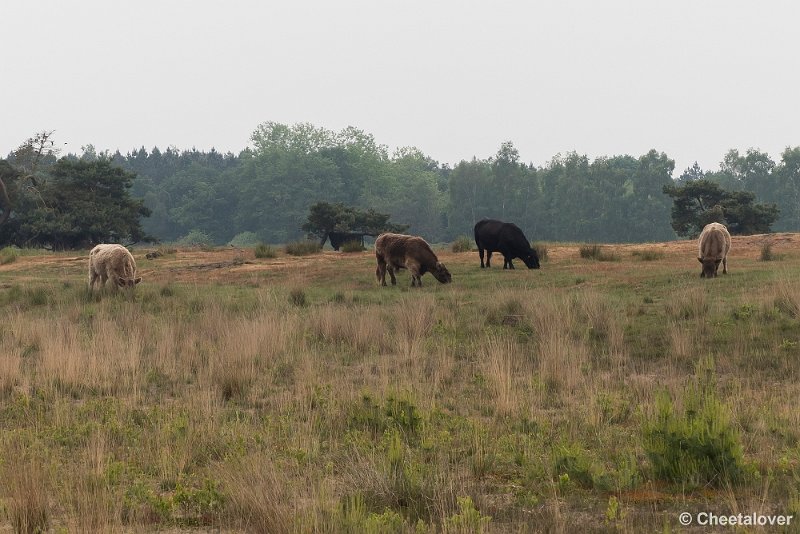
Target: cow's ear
137, 280
120, 282
717, 262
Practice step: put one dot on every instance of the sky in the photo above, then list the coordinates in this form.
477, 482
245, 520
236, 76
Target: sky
454, 78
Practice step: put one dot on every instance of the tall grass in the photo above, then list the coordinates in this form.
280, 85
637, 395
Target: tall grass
222, 404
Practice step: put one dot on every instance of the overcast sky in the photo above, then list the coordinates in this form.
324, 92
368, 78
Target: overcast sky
692, 78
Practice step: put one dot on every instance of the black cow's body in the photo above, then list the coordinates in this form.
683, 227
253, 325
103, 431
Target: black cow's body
508, 240
338, 239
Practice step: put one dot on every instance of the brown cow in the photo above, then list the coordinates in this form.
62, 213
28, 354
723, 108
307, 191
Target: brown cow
114, 262
714, 245
396, 251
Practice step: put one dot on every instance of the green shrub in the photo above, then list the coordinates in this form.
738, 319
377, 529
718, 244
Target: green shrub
303, 248
195, 238
352, 246
264, 251
767, 254
298, 297
397, 413
577, 465
469, 518
8, 255
244, 239
596, 252
697, 444
648, 255
461, 244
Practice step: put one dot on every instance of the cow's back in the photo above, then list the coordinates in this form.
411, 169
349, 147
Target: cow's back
714, 242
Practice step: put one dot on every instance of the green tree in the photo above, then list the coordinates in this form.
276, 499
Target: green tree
78, 204
700, 202
324, 218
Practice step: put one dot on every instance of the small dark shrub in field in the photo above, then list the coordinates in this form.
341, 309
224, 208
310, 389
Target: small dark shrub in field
541, 250
648, 255
396, 413
697, 444
264, 251
298, 297
461, 244
596, 252
767, 254
352, 246
303, 248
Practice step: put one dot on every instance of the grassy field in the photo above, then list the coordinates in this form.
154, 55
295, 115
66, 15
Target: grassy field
292, 394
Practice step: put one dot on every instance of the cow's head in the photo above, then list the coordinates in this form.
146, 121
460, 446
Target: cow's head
531, 260
710, 267
128, 282
441, 273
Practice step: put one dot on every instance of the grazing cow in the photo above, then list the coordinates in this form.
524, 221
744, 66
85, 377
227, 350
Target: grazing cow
114, 262
508, 240
338, 239
396, 251
714, 245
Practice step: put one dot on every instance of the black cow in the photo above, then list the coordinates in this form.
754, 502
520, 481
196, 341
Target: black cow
508, 240
340, 238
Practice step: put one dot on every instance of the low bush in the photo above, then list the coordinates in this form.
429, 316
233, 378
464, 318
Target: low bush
697, 444
244, 239
767, 254
596, 252
352, 246
264, 251
461, 244
8, 255
541, 250
303, 248
648, 255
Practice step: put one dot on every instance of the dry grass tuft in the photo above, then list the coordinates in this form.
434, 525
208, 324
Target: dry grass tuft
498, 356
25, 485
259, 497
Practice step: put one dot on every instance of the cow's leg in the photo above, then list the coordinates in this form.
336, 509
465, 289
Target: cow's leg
92, 279
488, 258
480, 253
725, 265
510, 263
380, 272
416, 276
391, 274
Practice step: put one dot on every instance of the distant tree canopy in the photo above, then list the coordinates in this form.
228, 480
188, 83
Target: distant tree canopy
269, 188
324, 218
75, 204
699, 202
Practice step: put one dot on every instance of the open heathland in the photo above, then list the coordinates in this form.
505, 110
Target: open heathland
289, 393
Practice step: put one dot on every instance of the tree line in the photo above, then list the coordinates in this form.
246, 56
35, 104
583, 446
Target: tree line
268, 188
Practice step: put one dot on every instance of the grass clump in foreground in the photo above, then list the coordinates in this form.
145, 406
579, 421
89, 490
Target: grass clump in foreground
303, 248
697, 444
